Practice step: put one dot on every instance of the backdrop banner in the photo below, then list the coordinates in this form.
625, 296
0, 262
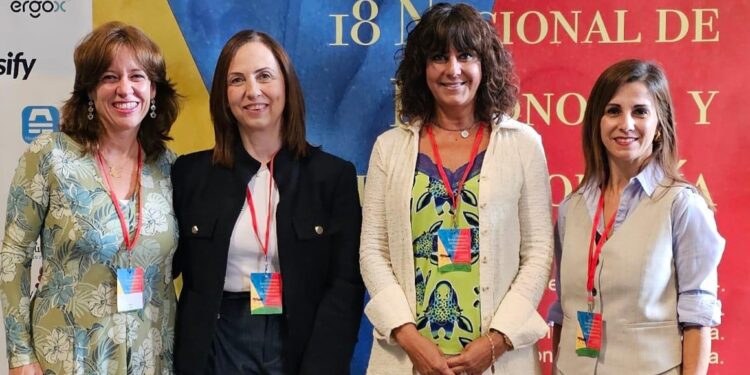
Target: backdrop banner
36, 76
346, 53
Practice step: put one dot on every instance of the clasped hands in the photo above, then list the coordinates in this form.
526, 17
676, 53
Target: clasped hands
428, 359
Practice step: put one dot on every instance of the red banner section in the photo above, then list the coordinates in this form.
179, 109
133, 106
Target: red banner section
561, 47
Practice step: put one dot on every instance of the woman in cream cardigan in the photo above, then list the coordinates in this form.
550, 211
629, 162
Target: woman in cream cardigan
455, 274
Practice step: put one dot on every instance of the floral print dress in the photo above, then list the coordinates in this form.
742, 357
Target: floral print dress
71, 325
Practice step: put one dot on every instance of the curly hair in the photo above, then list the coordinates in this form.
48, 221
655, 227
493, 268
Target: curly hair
92, 57
461, 27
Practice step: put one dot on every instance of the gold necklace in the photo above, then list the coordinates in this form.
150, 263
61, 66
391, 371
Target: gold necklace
113, 170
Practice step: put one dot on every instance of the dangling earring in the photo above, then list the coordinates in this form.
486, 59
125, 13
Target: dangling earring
153, 108
90, 116
657, 136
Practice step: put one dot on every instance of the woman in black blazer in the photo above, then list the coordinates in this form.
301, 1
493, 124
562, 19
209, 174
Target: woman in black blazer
262, 211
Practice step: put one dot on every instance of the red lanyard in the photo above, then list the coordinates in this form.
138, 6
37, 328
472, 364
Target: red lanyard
594, 252
129, 242
474, 150
263, 244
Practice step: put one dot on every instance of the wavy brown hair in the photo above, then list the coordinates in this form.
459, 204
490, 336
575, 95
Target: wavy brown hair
461, 27
92, 57
664, 151
226, 131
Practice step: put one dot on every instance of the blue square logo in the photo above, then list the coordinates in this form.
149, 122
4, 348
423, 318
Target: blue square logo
37, 120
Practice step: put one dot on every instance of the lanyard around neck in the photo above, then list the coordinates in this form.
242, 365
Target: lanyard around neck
263, 244
595, 247
455, 198
129, 241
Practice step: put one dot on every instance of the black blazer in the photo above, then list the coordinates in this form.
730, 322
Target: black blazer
323, 290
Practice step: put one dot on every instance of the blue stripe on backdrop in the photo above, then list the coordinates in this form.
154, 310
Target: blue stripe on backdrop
348, 89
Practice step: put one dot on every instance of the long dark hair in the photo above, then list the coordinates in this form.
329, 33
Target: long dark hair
665, 142
226, 131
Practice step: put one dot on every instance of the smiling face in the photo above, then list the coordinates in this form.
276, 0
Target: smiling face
255, 88
453, 79
629, 124
123, 95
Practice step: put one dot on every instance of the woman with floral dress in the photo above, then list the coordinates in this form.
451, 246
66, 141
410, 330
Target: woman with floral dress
98, 196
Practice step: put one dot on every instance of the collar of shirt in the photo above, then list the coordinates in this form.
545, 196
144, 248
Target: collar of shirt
643, 185
245, 167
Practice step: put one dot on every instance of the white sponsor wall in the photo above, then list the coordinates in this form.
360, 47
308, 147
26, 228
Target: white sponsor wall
36, 75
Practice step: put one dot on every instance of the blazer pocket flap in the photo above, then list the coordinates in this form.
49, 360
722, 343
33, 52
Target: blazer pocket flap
198, 226
308, 228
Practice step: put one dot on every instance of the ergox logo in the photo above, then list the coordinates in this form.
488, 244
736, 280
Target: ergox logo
16, 64
37, 120
36, 8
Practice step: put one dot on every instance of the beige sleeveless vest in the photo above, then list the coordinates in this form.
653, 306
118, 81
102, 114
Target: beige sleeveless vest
636, 291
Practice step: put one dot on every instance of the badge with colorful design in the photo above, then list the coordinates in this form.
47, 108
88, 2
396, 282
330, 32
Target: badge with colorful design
589, 334
265, 293
129, 289
454, 249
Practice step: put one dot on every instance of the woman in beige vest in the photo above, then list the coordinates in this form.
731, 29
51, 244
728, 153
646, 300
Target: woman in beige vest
636, 245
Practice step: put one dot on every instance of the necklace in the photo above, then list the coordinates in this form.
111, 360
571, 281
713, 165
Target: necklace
114, 170
464, 133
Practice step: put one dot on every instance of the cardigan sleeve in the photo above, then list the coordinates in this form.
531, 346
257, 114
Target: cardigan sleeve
555, 313
517, 315
388, 307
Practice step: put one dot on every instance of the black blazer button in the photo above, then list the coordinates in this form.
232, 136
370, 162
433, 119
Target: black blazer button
194, 229
318, 229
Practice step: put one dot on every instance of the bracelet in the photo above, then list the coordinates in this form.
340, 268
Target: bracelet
492, 352
508, 344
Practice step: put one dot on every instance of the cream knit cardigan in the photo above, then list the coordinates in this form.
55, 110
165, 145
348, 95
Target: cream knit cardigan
515, 241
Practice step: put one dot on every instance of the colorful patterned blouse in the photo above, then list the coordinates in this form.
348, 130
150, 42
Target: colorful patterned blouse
71, 325
448, 311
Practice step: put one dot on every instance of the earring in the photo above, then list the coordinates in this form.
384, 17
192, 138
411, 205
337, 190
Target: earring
90, 116
657, 136
153, 108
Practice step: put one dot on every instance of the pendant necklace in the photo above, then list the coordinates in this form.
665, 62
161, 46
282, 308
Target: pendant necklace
464, 133
113, 170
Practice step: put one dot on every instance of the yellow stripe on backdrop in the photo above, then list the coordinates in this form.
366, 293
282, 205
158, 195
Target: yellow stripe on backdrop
192, 131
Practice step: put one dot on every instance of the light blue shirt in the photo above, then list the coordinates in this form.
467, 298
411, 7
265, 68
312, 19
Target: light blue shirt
696, 244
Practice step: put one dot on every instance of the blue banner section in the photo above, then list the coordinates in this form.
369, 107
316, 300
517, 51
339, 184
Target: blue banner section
345, 53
